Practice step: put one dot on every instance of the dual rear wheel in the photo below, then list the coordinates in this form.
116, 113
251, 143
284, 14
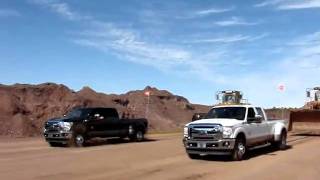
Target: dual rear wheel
281, 144
137, 136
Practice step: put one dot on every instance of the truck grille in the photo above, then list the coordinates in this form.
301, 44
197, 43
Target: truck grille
205, 132
52, 127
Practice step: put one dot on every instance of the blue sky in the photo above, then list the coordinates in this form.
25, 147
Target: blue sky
191, 48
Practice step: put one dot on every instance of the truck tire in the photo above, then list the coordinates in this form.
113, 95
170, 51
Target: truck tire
240, 149
137, 136
77, 140
194, 156
282, 143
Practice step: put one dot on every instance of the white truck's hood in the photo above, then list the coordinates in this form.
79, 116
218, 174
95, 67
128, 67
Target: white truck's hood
223, 122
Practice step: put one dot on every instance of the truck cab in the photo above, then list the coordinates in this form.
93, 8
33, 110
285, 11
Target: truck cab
231, 129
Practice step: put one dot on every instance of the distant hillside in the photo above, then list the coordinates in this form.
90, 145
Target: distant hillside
24, 108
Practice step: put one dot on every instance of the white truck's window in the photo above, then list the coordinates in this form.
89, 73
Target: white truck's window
251, 114
227, 113
260, 112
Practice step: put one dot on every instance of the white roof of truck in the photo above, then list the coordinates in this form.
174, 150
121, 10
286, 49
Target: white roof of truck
233, 105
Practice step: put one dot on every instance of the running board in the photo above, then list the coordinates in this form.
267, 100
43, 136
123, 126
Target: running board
260, 146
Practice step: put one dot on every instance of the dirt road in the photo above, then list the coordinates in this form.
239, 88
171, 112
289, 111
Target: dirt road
161, 158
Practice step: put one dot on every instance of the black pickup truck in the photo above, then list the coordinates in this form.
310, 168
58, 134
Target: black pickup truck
82, 124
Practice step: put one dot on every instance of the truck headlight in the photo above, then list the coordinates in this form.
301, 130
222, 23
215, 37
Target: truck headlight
227, 132
186, 131
66, 126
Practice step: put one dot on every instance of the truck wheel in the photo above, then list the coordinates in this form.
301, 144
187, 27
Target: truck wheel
138, 136
240, 150
194, 156
77, 140
282, 143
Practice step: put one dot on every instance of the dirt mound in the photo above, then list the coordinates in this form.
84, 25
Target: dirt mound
24, 108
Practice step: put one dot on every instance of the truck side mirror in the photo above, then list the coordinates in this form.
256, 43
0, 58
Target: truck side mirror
258, 118
98, 117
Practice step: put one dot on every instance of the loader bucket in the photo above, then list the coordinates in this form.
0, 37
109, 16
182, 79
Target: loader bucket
278, 113
305, 121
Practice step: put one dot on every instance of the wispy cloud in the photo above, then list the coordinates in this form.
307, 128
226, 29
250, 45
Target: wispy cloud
268, 3
229, 39
61, 8
9, 13
307, 47
235, 21
107, 37
132, 45
290, 4
205, 12
173, 58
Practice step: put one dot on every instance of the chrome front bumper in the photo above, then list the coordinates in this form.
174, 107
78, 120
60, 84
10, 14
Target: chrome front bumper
62, 136
218, 147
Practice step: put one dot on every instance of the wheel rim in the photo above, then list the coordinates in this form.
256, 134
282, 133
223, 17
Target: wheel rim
139, 136
241, 149
79, 140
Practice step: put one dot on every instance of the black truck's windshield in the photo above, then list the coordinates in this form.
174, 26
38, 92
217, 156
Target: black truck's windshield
77, 113
238, 113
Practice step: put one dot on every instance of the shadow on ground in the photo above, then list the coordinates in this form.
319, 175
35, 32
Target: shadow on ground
308, 134
251, 154
114, 141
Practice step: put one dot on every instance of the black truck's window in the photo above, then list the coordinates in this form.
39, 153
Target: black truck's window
77, 113
96, 114
251, 114
110, 113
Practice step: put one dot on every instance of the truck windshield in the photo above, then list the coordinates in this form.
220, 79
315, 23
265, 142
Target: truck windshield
77, 113
227, 112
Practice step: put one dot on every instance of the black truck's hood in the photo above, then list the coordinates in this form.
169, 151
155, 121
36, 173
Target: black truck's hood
63, 119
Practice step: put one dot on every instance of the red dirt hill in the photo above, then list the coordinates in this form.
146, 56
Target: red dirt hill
25, 108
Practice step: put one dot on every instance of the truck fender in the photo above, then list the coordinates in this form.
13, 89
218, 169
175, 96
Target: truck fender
237, 131
79, 128
277, 130
139, 126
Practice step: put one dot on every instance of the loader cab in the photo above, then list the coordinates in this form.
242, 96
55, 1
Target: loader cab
230, 97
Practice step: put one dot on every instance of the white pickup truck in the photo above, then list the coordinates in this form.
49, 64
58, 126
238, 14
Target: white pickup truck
232, 130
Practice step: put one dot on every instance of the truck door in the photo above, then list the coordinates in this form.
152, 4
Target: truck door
252, 127
257, 128
112, 123
95, 123
265, 128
